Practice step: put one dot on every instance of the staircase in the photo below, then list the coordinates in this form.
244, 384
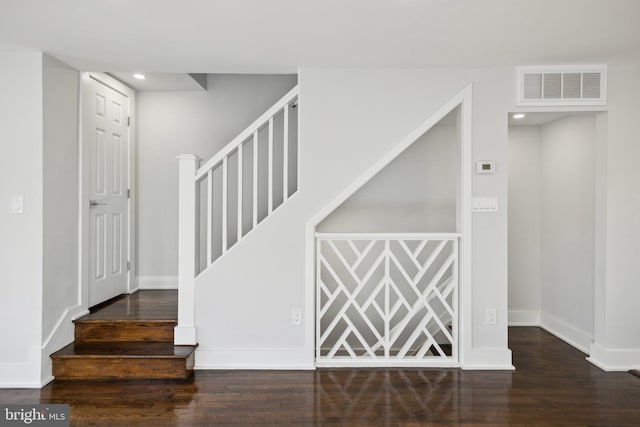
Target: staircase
244, 183
130, 337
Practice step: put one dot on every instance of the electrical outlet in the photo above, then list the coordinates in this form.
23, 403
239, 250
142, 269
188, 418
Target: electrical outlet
296, 316
491, 316
17, 205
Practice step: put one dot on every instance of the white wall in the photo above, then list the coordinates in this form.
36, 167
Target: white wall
202, 123
524, 225
21, 235
414, 193
568, 226
348, 120
60, 206
617, 340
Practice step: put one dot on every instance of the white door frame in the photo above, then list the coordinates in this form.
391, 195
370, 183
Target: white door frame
601, 141
84, 178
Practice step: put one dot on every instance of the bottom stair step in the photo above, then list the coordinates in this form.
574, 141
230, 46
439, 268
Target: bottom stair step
123, 360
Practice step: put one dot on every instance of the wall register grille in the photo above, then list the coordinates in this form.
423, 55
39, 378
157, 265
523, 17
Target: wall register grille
562, 86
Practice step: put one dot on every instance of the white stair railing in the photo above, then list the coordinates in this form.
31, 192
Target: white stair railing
387, 299
222, 201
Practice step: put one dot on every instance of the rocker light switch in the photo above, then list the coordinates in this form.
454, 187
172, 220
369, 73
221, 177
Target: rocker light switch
17, 205
485, 204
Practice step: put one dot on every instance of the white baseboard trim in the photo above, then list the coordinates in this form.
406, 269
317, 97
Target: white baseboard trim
524, 318
23, 374
47, 380
134, 286
157, 282
253, 359
487, 359
611, 359
567, 333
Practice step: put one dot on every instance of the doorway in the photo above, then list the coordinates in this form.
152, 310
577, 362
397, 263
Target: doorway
552, 229
107, 203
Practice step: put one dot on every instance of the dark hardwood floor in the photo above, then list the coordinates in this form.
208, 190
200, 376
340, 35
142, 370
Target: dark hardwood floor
553, 385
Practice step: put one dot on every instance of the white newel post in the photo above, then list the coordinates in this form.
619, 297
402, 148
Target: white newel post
185, 332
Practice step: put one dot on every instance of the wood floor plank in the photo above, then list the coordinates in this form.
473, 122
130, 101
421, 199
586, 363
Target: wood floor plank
553, 385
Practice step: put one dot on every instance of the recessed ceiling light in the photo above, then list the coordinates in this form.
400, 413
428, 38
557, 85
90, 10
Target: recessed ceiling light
139, 76
518, 116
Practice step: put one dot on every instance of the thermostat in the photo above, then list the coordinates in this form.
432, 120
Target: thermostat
486, 166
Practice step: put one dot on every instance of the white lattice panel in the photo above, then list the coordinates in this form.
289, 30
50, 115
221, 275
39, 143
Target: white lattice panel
387, 300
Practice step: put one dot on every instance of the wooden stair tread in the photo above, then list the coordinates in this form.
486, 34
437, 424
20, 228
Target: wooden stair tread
143, 305
128, 349
127, 338
126, 321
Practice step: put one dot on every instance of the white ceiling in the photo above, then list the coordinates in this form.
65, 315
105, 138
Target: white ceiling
252, 36
160, 81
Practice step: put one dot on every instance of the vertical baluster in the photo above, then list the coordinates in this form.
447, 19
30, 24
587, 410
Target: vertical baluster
224, 204
285, 167
454, 304
387, 320
239, 192
270, 169
255, 179
209, 216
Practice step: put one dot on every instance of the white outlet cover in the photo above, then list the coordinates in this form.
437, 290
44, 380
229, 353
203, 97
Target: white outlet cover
296, 316
17, 205
491, 316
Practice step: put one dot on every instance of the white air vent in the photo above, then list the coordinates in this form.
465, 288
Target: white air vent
562, 85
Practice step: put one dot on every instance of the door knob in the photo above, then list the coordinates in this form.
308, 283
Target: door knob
94, 203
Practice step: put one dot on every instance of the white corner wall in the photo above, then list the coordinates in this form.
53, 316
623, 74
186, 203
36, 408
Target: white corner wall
524, 225
39, 248
60, 208
617, 338
568, 228
349, 119
171, 123
21, 247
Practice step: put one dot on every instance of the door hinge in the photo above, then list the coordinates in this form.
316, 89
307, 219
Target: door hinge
128, 193
129, 121
128, 265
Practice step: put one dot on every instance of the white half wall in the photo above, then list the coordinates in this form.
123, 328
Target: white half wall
21, 246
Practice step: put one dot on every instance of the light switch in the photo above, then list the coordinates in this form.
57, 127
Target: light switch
17, 205
485, 204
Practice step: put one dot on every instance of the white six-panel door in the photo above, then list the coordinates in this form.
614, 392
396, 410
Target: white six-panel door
107, 141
